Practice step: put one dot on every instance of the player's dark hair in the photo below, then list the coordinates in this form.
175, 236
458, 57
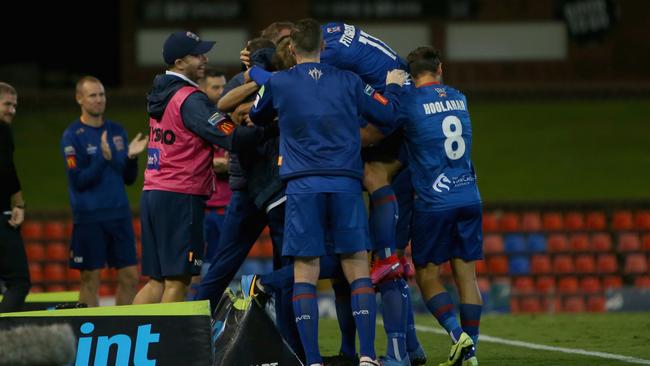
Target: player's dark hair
213, 73
423, 59
259, 43
306, 36
272, 32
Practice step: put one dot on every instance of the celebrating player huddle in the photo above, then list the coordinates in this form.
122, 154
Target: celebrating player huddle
344, 117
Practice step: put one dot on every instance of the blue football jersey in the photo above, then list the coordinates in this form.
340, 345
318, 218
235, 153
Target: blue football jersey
438, 136
350, 48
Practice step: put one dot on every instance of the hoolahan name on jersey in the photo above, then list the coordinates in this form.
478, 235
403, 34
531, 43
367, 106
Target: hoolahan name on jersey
444, 106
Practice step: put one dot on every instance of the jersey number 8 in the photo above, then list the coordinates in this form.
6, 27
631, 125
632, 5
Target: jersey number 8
453, 136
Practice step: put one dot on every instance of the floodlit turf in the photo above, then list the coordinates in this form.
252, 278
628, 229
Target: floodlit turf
626, 334
523, 151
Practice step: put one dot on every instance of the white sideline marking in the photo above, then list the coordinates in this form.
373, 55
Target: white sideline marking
576, 351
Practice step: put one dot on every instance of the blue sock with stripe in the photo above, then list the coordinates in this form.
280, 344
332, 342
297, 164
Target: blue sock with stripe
305, 308
364, 311
383, 221
442, 308
393, 305
470, 319
344, 316
412, 342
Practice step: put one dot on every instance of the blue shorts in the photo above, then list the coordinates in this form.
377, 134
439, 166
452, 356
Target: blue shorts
404, 193
312, 217
438, 236
172, 234
95, 244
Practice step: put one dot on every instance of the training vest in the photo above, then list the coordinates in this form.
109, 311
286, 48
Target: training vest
178, 160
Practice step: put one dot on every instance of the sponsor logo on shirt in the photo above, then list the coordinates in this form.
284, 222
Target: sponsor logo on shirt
118, 141
153, 159
439, 183
91, 149
71, 161
69, 150
444, 183
167, 137
226, 126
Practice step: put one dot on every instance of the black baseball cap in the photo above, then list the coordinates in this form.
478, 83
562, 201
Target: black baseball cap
182, 43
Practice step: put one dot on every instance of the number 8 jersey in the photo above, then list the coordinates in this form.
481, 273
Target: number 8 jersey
438, 136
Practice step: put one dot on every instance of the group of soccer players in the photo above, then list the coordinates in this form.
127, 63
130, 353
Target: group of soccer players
300, 145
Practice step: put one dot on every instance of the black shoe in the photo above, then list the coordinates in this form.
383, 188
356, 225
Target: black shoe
340, 360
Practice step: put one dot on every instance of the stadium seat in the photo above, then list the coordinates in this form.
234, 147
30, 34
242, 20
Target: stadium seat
497, 265
524, 285
35, 272
607, 263
68, 229
558, 243
622, 220
563, 264
568, 285
54, 272
628, 242
73, 275
585, 263
514, 305
36, 289
574, 304
519, 265
552, 304
601, 242
530, 304
579, 242
57, 251
56, 288
642, 220
481, 267
612, 282
574, 221
636, 264
138, 248
509, 222
540, 264
137, 227
531, 222
256, 250
545, 284
596, 221
32, 230
483, 284
493, 244
645, 242
590, 285
490, 223
642, 282
54, 230
108, 274
35, 251
537, 243
596, 304
552, 221
267, 248
106, 290
445, 269
514, 244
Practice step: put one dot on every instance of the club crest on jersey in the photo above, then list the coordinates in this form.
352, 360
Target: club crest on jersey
315, 74
442, 93
118, 142
439, 183
334, 29
369, 90
226, 126
69, 150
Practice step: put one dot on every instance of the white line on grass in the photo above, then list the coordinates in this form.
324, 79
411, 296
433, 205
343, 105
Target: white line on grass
577, 351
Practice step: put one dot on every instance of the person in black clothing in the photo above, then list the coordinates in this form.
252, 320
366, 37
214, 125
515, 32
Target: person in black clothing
13, 260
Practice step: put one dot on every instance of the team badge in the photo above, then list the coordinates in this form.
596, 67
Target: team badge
153, 159
118, 142
315, 74
369, 90
79, 131
334, 29
69, 150
442, 93
216, 118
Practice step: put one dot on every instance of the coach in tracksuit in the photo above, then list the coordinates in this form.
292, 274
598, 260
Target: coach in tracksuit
184, 124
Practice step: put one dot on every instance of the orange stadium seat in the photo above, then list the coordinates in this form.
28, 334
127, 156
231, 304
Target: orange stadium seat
557, 243
481, 267
628, 242
497, 265
579, 242
596, 221
68, 229
574, 221
54, 272
524, 285
35, 272
530, 304
137, 227
645, 242
585, 263
493, 244
636, 264
73, 275
590, 285
509, 222
35, 251
563, 264
56, 288
596, 304
267, 248
622, 220
642, 220
612, 282
568, 285
642, 282
483, 284
514, 305
445, 268
138, 248
601, 242
552, 221
574, 304
32, 230
531, 222
540, 264
54, 230
36, 289
607, 263
57, 251
106, 290
545, 284
489, 222
552, 304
